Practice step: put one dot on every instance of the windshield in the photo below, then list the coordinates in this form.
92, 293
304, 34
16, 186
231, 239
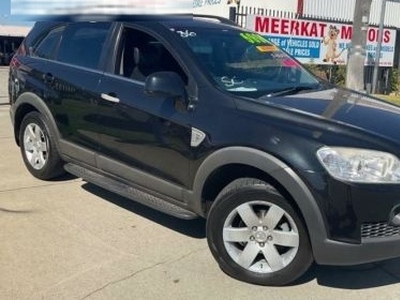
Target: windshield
246, 63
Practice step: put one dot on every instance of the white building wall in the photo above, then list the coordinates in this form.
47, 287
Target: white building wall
203, 7
338, 10
16, 31
283, 5
221, 7
343, 10
392, 14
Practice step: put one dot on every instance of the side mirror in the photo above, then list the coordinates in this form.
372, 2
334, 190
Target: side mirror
166, 84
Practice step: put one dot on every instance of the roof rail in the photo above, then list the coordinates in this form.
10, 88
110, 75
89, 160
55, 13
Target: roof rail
216, 18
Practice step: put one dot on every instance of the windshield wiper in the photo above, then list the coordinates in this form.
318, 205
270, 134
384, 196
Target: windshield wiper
291, 91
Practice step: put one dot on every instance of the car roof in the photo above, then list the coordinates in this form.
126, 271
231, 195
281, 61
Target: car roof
200, 21
169, 21
181, 20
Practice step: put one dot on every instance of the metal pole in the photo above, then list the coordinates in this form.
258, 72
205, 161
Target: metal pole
232, 14
398, 77
379, 47
356, 54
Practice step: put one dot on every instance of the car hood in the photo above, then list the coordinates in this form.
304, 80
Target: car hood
347, 107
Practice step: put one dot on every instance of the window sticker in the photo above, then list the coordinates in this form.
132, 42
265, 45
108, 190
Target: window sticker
267, 48
290, 63
186, 34
230, 82
243, 89
254, 38
279, 55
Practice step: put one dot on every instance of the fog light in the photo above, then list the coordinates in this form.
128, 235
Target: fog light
394, 216
396, 220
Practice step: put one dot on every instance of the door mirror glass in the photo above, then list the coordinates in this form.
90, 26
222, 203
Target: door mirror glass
166, 84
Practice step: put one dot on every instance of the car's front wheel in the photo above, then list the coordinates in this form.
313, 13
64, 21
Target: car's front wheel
256, 236
38, 148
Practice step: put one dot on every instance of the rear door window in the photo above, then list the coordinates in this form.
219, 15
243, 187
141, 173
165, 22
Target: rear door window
47, 46
82, 44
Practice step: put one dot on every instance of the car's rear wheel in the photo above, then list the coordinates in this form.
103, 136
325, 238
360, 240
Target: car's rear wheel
38, 149
256, 236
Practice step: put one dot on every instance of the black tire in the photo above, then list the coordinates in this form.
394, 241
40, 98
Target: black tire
229, 236
38, 149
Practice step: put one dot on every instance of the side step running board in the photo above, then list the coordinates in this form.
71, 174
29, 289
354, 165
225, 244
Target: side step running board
130, 192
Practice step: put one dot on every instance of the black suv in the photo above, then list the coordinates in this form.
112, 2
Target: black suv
194, 116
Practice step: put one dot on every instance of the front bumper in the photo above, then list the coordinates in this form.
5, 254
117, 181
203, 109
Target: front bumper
349, 208
364, 235
358, 219
331, 252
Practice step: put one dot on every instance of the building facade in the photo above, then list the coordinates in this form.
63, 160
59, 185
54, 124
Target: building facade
10, 39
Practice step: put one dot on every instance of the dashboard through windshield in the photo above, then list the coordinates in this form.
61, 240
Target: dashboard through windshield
246, 63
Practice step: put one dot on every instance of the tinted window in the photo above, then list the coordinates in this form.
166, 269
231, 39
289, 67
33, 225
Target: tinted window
142, 54
82, 44
47, 46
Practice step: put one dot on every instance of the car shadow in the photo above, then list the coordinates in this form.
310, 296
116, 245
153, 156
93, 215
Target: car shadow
350, 277
357, 277
361, 276
194, 228
63, 177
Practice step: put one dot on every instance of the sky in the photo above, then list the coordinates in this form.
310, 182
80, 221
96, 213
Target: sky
7, 19
16, 12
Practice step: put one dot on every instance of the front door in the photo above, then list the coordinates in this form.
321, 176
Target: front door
143, 134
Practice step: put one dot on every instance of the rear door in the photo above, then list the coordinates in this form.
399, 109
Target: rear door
29, 66
72, 81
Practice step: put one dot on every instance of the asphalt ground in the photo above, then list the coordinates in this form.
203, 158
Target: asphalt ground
68, 239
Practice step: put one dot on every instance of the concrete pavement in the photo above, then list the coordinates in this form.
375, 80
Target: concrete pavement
3, 85
68, 239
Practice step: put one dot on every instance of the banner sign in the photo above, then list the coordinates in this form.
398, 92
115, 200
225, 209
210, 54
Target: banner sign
315, 42
201, 3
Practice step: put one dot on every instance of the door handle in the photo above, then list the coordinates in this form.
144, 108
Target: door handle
110, 98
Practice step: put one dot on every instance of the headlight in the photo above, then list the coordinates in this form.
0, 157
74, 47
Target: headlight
360, 165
